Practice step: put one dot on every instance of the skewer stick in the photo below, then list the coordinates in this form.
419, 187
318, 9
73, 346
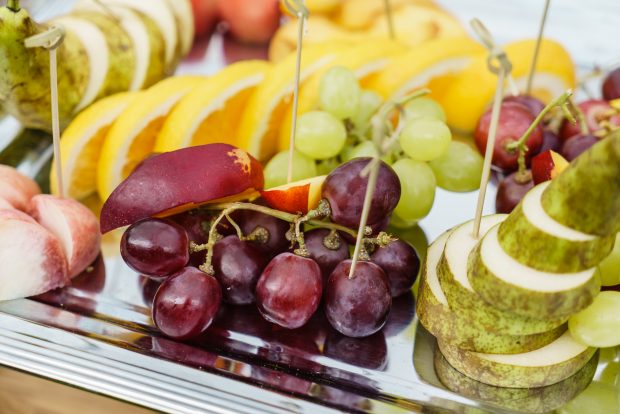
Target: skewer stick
541, 28
390, 19
300, 10
50, 40
499, 64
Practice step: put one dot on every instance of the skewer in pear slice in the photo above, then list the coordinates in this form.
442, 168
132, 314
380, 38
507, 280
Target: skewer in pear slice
452, 271
548, 365
458, 330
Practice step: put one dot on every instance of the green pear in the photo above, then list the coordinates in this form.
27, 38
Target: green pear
548, 365
452, 271
184, 16
507, 284
525, 400
458, 330
585, 197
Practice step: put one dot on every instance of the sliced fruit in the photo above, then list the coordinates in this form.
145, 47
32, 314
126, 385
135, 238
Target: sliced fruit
81, 145
475, 85
177, 181
132, 136
296, 197
507, 284
267, 106
456, 328
534, 239
210, 113
464, 299
16, 188
548, 365
547, 165
362, 14
184, 16
525, 400
74, 225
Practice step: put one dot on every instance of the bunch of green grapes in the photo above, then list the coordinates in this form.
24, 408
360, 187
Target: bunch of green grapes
342, 129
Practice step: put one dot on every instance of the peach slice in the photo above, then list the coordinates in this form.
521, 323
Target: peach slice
75, 226
296, 197
5, 204
547, 165
16, 188
32, 258
181, 180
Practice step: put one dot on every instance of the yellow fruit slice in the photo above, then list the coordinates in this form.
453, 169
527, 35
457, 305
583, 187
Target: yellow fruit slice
132, 136
362, 14
81, 144
266, 108
366, 60
433, 64
211, 112
468, 96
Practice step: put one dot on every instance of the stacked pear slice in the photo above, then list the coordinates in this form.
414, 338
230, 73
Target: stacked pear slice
497, 303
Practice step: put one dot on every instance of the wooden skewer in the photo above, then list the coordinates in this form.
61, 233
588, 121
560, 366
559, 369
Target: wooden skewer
390, 19
541, 28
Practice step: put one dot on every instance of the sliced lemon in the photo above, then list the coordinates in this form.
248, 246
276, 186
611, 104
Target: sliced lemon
366, 60
363, 14
132, 136
81, 144
210, 113
433, 64
266, 108
467, 97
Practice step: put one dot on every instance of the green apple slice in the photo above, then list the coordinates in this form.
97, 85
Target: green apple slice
510, 285
464, 300
586, 196
526, 400
548, 365
535, 239
454, 328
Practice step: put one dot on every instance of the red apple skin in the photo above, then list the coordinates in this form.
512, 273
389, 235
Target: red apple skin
205, 16
16, 188
591, 109
293, 200
251, 21
73, 224
180, 180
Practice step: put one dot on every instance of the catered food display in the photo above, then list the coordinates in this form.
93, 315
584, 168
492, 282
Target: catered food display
292, 191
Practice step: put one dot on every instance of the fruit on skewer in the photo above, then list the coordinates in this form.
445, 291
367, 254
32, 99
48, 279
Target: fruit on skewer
16, 189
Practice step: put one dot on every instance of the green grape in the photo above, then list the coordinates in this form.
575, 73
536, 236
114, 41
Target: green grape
425, 139
324, 167
597, 325
364, 149
402, 224
459, 168
369, 103
597, 398
339, 92
611, 374
424, 108
319, 135
276, 169
418, 184
610, 267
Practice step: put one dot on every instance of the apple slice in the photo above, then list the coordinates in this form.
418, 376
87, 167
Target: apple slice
296, 197
547, 165
458, 329
75, 226
16, 188
182, 180
32, 258
5, 204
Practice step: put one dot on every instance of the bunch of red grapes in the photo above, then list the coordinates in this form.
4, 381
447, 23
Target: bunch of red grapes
518, 113
287, 288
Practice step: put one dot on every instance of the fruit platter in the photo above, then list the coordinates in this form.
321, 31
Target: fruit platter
368, 206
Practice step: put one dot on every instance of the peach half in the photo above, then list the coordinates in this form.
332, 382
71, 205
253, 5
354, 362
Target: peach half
182, 180
547, 165
296, 197
16, 188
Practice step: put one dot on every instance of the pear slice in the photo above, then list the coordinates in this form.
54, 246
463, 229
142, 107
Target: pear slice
435, 315
548, 365
464, 300
535, 239
184, 16
525, 400
510, 285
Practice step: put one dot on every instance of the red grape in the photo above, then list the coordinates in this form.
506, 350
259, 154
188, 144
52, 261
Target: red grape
575, 146
196, 223
593, 110
551, 141
611, 85
401, 263
186, 303
325, 257
345, 190
148, 287
514, 120
237, 265
289, 290
510, 192
155, 247
535, 105
249, 220
359, 306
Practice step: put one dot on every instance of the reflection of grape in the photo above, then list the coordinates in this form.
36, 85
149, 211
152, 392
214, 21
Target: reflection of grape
597, 398
597, 325
418, 190
459, 168
424, 108
425, 139
610, 267
319, 135
339, 92
277, 168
